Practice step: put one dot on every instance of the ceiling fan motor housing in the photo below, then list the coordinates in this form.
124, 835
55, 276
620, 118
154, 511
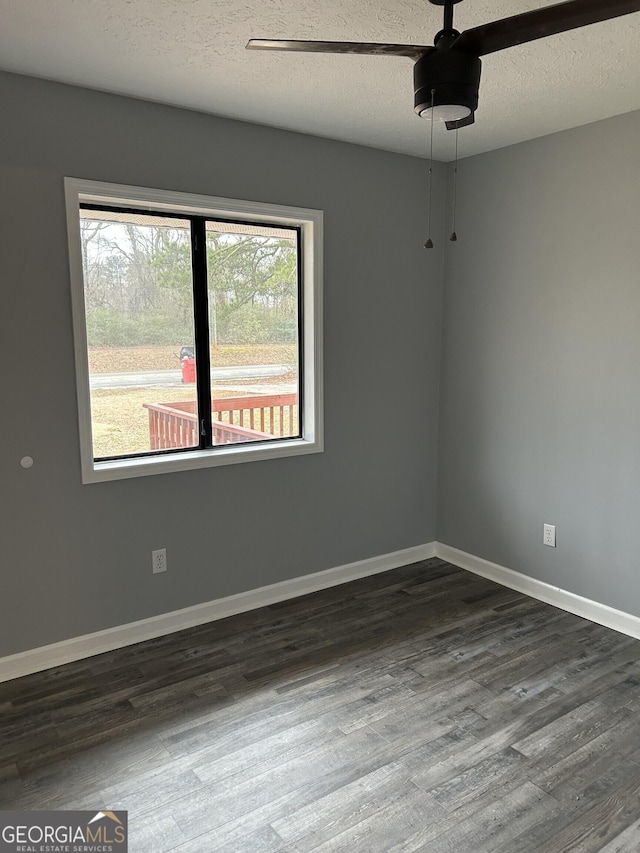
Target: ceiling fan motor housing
453, 76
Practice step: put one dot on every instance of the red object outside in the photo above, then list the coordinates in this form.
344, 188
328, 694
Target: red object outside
188, 370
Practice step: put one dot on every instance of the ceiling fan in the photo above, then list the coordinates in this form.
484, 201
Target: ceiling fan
447, 76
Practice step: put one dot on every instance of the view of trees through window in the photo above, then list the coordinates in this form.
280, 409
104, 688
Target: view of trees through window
139, 307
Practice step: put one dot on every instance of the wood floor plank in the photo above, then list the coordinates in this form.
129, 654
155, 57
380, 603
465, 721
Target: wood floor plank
568, 776
295, 769
581, 724
487, 830
235, 730
600, 824
342, 809
628, 841
388, 826
476, 781
154, 832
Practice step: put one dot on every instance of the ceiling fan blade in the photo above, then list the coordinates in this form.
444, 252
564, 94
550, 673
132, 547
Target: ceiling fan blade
539, 23
413, 51
463, 122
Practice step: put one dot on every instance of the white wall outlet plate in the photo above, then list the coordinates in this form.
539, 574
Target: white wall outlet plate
549, 535
159, 560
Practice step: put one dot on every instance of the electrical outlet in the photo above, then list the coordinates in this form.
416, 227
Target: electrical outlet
549, 535
159, 560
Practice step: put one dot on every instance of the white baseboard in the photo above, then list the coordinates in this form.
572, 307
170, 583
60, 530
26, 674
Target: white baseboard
620, 621
77, 648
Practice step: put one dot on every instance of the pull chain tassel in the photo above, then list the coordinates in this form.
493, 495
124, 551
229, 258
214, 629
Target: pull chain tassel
454, 236
429, 243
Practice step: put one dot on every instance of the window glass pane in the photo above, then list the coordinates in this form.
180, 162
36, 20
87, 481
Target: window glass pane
140, 332
253, 326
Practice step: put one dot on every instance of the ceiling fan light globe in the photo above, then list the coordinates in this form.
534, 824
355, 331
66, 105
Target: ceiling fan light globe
446, 112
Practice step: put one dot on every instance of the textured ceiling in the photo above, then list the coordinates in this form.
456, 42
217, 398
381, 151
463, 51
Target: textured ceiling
192, 53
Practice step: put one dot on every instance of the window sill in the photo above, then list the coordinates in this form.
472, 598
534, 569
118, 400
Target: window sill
122, 469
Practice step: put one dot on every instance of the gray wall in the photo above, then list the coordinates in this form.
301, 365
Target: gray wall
76, 558
540, 410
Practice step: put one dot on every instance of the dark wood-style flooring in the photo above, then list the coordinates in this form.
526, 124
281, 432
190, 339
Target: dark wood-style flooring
424, 709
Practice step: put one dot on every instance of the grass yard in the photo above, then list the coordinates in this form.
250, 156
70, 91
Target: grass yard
121, 423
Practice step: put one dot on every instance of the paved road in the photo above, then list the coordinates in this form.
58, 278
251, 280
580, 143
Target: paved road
154, 378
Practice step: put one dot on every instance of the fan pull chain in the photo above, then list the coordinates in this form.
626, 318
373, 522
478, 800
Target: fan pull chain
429, 243
454, 236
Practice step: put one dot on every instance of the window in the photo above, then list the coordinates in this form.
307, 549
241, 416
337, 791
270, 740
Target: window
197, 329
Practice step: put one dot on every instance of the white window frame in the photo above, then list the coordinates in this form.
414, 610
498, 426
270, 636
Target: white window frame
310, 223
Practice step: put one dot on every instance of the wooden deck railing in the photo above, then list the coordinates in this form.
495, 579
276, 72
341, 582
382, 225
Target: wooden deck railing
235, 420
